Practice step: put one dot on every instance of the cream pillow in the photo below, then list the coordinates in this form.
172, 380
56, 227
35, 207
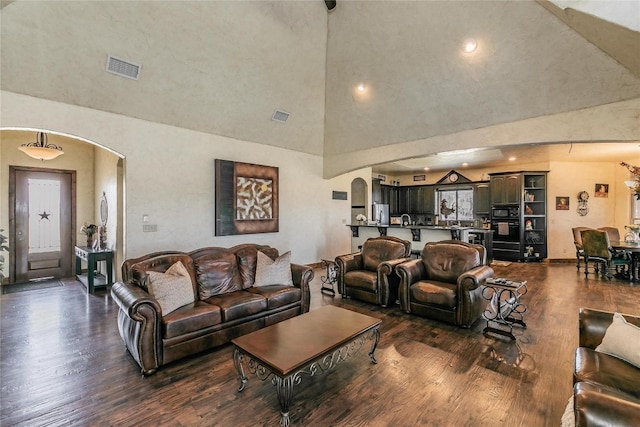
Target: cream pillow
622, 340
172, 288
273, 272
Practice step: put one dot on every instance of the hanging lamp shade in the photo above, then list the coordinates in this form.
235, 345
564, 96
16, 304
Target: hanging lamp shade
41, 149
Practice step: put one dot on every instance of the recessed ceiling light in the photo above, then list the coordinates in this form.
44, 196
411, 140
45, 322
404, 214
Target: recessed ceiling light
426, 168
512, 158
465, 164
470, 45
361, 87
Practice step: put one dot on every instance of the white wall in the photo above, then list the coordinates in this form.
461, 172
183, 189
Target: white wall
169, 176
568, 179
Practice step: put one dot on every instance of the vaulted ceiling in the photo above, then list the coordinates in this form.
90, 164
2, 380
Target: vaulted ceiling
224, 67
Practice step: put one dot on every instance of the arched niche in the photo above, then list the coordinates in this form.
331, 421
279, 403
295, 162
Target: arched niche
359, 199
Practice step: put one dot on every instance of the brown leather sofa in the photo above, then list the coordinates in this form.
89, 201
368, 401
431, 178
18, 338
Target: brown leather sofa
606, 390
446, 284
233, 307
369, 275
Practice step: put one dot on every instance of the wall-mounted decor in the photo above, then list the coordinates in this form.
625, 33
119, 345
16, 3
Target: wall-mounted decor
602, 190
382, 178
419, 177
339, 195
246, 198
562, 203
583, 199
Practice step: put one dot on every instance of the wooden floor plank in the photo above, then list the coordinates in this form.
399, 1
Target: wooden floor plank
63, 362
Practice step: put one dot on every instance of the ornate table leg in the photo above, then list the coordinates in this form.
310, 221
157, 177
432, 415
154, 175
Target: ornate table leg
375, 337
284, 389
238, 358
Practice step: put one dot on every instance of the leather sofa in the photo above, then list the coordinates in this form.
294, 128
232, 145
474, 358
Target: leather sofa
369, 275
447, 283
232, 307
606, 390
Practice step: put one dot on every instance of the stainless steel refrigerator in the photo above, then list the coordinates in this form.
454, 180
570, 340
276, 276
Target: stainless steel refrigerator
380, 214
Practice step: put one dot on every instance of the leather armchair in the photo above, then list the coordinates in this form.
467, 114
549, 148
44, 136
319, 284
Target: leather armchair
369, 275
446, 284
606, 389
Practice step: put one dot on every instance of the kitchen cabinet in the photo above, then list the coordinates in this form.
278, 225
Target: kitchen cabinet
506, 189
528, 192
534, 216
481, 199
428, 199
403, 200
376, 191
390, 197
415, 200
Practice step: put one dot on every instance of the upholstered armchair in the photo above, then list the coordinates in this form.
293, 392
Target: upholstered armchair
446, 284
369, 275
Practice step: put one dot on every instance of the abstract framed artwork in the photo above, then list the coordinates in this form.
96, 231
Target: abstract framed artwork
246, 197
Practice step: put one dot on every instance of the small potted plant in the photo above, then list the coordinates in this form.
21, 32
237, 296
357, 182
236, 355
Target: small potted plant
89, 230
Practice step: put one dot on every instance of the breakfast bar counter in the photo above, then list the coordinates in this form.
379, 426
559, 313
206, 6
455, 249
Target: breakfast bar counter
419, 235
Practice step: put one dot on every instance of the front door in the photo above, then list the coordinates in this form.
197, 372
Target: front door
42, 223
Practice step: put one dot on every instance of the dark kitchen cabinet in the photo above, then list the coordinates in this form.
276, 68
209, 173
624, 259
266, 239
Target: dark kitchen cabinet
506, 189
376, 191
528, 191
403, 200
534, 216
481, 199
415, 200
390, 197
428, 199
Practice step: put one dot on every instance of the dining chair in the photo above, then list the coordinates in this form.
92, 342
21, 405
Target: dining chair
614, 236
597, 249
577, 241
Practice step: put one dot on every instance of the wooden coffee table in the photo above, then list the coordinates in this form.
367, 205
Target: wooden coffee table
309, 344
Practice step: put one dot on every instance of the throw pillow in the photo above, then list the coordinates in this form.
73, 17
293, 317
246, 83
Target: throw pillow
273, 272
172, 289
622, 340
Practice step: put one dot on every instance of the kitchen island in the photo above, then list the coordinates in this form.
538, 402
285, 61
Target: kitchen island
419, 235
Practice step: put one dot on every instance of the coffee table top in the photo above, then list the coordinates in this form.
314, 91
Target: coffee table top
291, 344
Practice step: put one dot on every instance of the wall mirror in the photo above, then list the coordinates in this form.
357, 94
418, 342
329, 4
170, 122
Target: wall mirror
104, 210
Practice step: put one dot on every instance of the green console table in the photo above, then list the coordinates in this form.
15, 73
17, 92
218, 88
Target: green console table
91, 280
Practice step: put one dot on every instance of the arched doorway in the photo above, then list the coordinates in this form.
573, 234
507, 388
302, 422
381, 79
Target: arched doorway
98, 174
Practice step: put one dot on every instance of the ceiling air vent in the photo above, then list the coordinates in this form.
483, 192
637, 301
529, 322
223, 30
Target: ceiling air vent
123, 68
280, 116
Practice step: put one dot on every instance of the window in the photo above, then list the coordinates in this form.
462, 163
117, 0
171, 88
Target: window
44, 215
455, 205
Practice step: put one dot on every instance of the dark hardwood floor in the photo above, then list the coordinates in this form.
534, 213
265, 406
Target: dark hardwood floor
63, 363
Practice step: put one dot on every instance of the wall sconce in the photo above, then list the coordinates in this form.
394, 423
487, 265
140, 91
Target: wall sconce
41, 149
469, 45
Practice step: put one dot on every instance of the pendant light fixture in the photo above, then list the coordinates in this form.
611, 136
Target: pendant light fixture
41, 149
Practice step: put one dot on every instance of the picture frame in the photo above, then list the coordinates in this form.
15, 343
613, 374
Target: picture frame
419, 177
601, 190
562, 203
246, 198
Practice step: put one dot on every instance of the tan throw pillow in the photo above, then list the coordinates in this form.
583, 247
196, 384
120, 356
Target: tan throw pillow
172, 289
273, 272
622, 340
